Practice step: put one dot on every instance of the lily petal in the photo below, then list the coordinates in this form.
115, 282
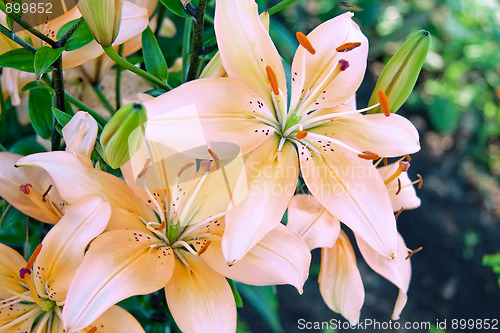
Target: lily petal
80, 134
385, 136
339, 280
281, 257
211, 110
312, 222
134, 21
200, 299
246, 48
18, 317
118, 264
10, 264
117, 320
65, 244
316, 84
406, 197
271, 178
75, 180
32, 204
397, 271
352, 190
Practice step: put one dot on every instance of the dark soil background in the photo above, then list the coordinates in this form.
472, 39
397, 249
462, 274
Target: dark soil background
457, 223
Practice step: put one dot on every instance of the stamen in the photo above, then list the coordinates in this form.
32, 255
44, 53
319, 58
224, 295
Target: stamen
23, 272
271, 76
26, 188
145, 168
215, 158
420, 181
162, 226
305, 42
301, 134
399, 186
368, 155
403, 167
385, 161
413, 252
408, 158
349, 46
344, 64
204, 248
398, 213
92, 330
384, 102
46, 193
184, 168
35, 254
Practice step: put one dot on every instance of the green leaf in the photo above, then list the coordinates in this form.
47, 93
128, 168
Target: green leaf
81, 37
491, 260
62, 117
265, 301
401, 72
176, 7
40, 111
20, 59
36, 85
27, 146
153, 56
44, 58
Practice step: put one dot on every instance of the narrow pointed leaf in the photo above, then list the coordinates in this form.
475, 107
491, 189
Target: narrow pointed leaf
153, 56
40, 111
45, 56
20, 59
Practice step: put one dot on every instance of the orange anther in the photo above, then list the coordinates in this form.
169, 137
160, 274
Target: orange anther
408, 158
162, 226
271, 76
215, 158
92, 330
398, 213
305, 42
399, 186
413, 252
44, 196
204, 247
368, 155
384, 102
35, 254
184, 168
347, 47
420, 181
301, 135
385, 161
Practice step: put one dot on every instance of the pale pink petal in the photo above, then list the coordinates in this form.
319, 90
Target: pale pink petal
397, 271
339, 280
271, 180
351, 102
246, 48
200, 299
352, 190
134, 21
80, 134
386, 136
118, 264
209, 111
19, 317
315, 82
281, 257
406, 197
32, 204
312, 221
64, 246
116, 320
74, 180
10, 264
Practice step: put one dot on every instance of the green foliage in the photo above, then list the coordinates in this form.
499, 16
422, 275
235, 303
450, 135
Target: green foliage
45, 56
153, 56
20, 59
493, 261
265, 301
81, 37
40, 111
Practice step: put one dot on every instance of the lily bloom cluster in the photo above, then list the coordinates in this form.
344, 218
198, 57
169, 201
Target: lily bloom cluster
208, 177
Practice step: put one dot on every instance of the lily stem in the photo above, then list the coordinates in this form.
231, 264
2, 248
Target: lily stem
194, 66
110, 51
118, 84
12, 36
19, 20
62, 42
102, 98
3, 117
58, 85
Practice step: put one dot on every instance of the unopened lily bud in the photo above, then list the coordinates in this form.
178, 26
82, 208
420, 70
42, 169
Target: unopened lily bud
122, 135
401, 72
103, 18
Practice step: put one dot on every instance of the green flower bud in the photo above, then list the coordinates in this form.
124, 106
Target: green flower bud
123, 134
103, 18
401, 72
